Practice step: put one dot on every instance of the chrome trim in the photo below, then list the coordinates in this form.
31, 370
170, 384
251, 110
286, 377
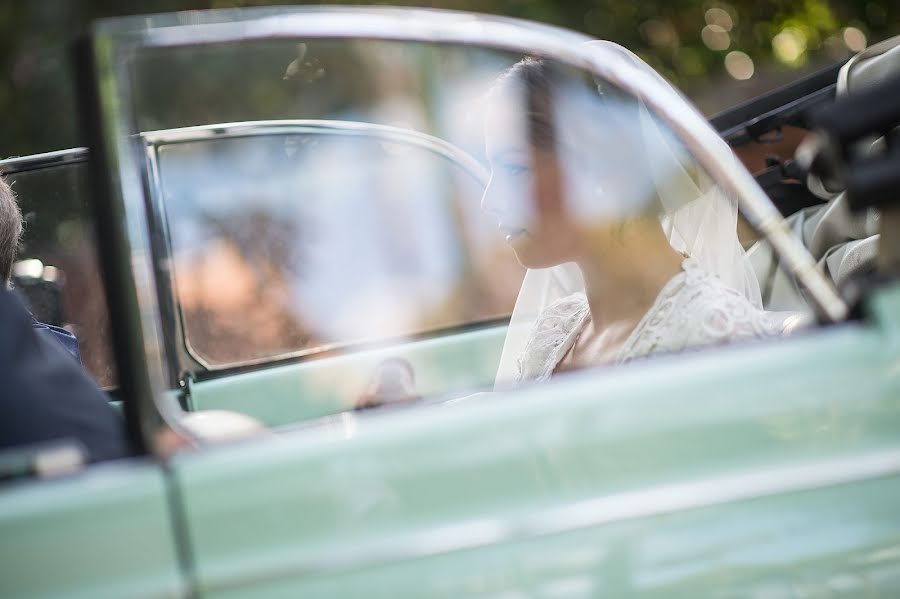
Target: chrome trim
161, 240
369, 22
319, 126
35, 162
575, 516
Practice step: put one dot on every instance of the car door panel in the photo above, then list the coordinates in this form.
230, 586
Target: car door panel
293, 393
360, 505
781, 546
105, 532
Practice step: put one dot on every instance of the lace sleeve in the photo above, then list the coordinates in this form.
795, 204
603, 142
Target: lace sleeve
551, 337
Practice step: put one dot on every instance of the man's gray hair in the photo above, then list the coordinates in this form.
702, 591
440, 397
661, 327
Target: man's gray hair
10, 229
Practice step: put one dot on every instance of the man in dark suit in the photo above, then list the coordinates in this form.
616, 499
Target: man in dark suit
10, 233
46, 396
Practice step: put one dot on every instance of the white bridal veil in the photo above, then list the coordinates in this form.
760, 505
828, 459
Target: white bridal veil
699, 219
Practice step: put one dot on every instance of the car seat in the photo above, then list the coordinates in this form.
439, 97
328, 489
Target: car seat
842, 242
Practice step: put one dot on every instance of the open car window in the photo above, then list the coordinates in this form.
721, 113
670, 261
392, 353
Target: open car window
344, 222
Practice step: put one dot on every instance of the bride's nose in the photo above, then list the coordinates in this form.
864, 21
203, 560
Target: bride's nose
491, 203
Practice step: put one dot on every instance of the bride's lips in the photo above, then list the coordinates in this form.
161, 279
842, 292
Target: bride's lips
512, 233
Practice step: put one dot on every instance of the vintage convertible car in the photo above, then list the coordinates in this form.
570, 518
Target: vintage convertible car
286, 204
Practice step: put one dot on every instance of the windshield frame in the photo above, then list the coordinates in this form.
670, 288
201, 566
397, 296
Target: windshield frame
115, 42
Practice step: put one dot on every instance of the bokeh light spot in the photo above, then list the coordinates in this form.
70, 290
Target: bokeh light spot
720, 17
855, 39
739, 65
659, 33
715, 37
789, 45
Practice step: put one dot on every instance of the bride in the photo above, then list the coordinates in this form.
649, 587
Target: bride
631, 249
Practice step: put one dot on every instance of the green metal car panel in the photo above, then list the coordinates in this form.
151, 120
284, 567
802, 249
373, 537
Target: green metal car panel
735, 491
300, 392
771, 546
108, 532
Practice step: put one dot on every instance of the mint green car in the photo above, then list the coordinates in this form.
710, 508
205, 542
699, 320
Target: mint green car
283, 202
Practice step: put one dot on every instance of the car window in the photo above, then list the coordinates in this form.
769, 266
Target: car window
288, 243
57, 272
393, 221
325, 190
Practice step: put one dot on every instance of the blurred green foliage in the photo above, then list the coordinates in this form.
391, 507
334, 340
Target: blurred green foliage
717, 52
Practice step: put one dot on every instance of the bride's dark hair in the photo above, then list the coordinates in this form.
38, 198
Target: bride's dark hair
538, 82
542, 82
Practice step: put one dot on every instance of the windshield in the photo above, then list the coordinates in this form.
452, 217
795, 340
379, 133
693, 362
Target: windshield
391, 221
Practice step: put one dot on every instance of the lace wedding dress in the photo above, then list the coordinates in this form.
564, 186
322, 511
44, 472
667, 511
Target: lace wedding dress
693, 309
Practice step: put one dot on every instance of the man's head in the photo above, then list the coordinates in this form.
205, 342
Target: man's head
10, 229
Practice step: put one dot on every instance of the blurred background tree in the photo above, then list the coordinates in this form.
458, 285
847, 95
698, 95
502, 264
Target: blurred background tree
719, 53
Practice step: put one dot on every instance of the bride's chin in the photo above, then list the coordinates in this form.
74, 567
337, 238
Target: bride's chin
529, 257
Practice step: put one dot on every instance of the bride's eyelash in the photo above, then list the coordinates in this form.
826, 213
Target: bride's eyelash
516, 169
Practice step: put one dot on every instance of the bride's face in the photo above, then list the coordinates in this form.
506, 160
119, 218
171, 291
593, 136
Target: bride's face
525, 191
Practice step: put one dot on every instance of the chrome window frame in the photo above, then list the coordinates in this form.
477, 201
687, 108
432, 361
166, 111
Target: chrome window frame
183, 357
115, 41
36, 162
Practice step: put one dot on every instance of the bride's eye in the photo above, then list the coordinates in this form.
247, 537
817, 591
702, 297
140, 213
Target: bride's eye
516, 169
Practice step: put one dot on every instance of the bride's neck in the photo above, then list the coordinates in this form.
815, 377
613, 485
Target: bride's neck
623, 280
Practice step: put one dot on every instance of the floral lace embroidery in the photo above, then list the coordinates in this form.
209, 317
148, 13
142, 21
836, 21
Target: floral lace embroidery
553, 334
693, 309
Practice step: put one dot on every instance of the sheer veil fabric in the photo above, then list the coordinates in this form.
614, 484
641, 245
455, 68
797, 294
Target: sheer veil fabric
698, 218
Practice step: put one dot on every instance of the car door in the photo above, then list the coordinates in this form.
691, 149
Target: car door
757, 482
228, 345
102, 530
764, 467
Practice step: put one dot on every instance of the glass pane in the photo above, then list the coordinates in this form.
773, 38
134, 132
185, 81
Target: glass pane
57, 271
280, 247
368, 205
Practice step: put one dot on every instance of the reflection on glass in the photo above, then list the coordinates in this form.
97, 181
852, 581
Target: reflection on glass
297, 242
641, 245
374, 204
